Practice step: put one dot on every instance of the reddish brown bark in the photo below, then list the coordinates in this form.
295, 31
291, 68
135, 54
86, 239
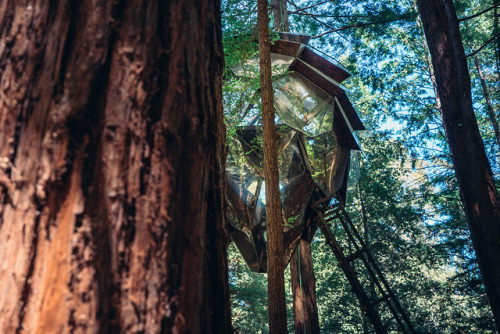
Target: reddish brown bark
477, 188
304, 290
111, 167
275, 267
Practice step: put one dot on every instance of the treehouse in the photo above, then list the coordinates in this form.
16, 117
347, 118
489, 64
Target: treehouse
316, 126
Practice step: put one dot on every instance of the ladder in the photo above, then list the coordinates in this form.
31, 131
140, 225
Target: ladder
327, 213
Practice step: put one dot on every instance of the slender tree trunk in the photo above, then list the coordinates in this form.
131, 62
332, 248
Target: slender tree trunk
275, 266
473, 172
304, 290
280, 14
486, 94
366, 236
489, 104
111, 167
496, 30
304, 304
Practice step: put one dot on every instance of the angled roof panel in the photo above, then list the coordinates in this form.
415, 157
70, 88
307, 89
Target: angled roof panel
335, 72
296, 38
286, 48
318, 79
350, 112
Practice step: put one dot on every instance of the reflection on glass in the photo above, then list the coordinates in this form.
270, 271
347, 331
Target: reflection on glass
245, 208
327, 159
250, 69
302, 105
246, 188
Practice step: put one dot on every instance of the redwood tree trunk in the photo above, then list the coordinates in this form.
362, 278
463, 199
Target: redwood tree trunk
304, 290
111, 167
275, 251
473, 172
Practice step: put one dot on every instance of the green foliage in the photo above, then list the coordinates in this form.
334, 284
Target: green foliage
248, 295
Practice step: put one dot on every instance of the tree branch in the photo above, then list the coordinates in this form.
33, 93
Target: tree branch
314, 17
477, 14
311, 15
315, 5
483, 46
303, 12
355, 26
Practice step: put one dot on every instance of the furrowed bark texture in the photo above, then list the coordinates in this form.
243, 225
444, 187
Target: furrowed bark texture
473, 172
111, 167
304, 290
275, 267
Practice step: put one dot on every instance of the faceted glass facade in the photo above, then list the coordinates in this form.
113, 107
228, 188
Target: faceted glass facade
314, 145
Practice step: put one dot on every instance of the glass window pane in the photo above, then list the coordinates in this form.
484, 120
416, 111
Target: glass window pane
326, 158
250, 68
302, 105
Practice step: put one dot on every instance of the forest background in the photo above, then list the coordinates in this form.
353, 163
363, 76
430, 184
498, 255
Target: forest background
404, 195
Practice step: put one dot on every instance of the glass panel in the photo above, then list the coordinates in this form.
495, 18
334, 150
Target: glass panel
302, 105
250, 69
326, 158
290, 161
244, 185
246, 188
245, 207
250, 141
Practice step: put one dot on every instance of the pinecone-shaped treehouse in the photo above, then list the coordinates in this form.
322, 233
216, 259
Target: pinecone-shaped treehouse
316, 125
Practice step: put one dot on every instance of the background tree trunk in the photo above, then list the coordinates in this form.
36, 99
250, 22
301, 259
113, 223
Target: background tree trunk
280, 15
489, 104
304, 290
473, 172
496, 30
111, 167
274, 225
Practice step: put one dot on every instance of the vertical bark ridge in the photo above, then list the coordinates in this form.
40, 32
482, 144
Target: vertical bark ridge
18, 56
187, 91
47, 146
126, 169
216, 287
